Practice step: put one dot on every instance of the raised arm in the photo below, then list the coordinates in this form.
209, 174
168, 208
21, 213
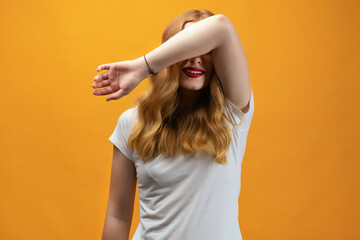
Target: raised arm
216, 34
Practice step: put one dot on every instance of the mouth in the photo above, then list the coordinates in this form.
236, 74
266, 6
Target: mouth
193, 72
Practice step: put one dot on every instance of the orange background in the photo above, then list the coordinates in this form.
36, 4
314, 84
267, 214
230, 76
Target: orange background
300, 175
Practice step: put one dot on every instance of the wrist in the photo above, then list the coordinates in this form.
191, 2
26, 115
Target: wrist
142, 67
147, 63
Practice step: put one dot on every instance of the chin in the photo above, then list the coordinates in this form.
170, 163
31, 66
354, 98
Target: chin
192, 87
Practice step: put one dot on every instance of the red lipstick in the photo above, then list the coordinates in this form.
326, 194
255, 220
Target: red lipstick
195, 72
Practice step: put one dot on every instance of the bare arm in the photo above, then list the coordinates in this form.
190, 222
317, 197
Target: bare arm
121, 198
216, 34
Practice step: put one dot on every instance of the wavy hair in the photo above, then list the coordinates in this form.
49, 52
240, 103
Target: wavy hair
203, 130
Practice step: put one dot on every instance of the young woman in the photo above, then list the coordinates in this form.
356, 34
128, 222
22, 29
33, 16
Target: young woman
185, 140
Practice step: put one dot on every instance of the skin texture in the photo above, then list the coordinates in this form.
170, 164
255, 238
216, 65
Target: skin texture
121, 198
215, 34
190, 88
203, 62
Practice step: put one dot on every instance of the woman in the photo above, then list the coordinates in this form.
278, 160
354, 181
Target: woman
184, 142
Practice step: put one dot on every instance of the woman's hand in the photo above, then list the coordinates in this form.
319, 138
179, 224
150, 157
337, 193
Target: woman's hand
121, 78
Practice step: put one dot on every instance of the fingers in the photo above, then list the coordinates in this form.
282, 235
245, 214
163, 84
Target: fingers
104, 91
101, 76
103, 67
117, 95
108, 90
101, 84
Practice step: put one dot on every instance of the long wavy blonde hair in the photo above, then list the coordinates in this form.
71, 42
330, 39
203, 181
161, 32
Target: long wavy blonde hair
203, 130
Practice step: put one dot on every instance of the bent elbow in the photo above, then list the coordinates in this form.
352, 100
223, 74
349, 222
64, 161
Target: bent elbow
222, 18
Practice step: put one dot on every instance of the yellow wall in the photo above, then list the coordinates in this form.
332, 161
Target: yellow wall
300, 176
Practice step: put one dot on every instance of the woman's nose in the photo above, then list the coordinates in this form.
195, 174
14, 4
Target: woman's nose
196, 59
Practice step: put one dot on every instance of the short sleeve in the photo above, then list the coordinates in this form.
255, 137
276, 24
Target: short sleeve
237, 115
122, 132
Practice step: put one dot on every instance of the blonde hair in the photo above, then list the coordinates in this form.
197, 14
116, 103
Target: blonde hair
203, 130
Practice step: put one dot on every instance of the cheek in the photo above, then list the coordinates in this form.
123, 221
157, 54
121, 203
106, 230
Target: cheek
209, 63
181, 65
210, 69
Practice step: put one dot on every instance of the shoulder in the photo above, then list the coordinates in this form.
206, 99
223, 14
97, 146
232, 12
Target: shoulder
128, 118
122, 131
129, 114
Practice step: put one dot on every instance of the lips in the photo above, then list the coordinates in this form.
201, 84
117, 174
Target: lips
193, 72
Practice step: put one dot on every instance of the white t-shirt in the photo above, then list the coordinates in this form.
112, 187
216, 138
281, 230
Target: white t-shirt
188, 197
